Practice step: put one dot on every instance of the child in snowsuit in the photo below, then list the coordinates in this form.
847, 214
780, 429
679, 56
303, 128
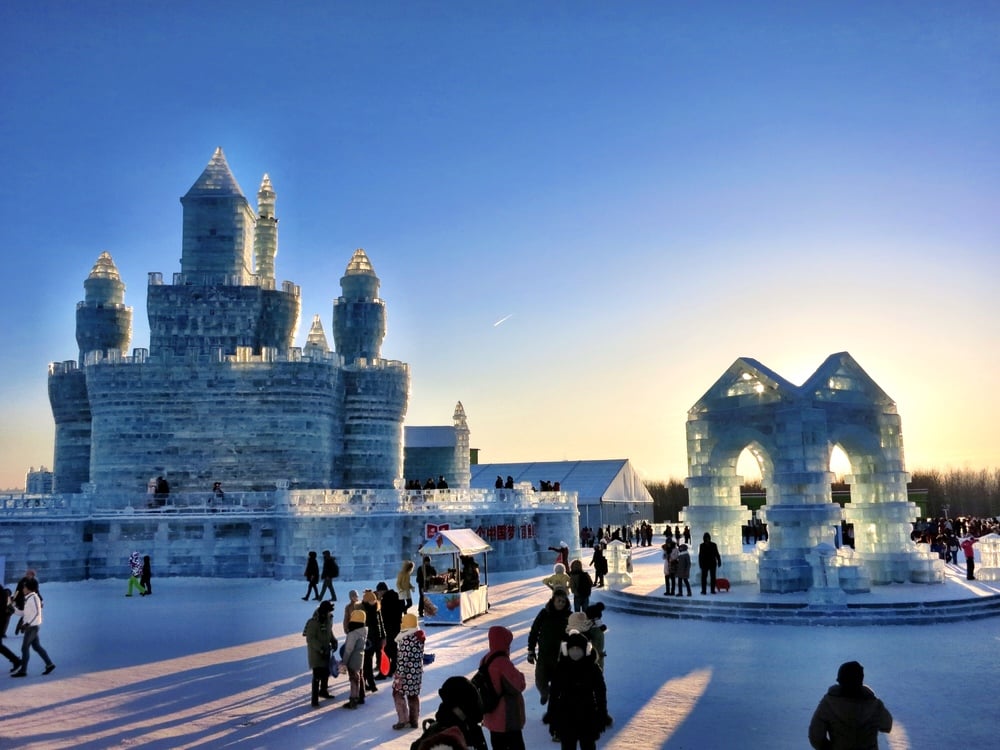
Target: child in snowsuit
578, 709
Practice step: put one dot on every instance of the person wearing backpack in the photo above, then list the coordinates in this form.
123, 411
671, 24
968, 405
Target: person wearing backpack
456, 723
504, 720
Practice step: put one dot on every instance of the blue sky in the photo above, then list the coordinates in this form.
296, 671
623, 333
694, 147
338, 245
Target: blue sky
649, 190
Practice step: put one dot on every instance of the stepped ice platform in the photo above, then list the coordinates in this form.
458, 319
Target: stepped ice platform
954, 600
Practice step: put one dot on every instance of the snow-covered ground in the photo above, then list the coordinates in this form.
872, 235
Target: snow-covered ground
221, 663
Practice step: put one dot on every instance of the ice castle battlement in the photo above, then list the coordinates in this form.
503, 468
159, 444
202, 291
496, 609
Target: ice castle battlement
222, 394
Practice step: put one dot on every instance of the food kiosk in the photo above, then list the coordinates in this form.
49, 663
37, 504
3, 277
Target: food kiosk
450, 597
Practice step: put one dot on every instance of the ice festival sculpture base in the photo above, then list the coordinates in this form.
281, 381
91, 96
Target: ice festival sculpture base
791, 431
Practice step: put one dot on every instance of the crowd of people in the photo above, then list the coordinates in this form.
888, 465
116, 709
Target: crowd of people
948, 537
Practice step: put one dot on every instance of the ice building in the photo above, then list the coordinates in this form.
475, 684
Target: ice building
305, 442
222, 394
791, 431
609, 491
439, 451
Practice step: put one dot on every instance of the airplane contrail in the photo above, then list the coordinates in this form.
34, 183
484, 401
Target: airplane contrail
505, 317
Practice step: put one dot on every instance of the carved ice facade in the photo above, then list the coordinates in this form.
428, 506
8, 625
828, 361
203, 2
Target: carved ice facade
791, 431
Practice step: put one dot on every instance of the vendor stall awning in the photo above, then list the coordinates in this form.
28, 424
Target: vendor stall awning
461, 541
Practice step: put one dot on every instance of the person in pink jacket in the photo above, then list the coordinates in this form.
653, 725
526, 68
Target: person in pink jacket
970, 557
506, 721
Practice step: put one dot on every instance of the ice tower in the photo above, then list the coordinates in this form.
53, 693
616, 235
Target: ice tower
103, 324
376, 390
222, 394
791, 431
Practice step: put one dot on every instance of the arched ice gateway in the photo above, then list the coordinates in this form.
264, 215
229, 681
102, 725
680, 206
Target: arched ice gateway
792, 431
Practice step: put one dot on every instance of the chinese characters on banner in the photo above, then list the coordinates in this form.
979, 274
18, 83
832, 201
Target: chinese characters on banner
498, 533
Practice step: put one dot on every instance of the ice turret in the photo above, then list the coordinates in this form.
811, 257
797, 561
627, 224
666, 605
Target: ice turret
218, 233
462, 476
265, 243
316, 341
359, 315
103, 322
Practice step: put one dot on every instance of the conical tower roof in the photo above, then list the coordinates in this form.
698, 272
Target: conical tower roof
359, 264
217, 179
317, 337
104, 268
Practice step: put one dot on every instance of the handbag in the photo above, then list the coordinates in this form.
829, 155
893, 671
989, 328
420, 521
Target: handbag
333, 665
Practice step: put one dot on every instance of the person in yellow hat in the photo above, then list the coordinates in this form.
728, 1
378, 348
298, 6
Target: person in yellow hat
354, 656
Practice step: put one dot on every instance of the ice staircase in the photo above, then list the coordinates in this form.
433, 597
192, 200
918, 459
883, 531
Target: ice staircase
721, 608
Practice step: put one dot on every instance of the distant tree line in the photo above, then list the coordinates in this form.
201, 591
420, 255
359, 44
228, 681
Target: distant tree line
965, 492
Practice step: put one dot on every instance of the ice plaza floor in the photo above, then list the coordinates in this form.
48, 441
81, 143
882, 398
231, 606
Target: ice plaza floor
221, 664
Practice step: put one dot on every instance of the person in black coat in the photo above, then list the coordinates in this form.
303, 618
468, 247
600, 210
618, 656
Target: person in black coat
392, 619
424, 573
544, 638
312, 576
600, 563
578, 703
708, 561
329, 572
461, 712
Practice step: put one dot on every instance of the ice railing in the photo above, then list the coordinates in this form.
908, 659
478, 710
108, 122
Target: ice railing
296, 502
352, 502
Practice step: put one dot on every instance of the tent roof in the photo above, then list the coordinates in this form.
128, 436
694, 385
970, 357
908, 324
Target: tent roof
460, 541
606, 480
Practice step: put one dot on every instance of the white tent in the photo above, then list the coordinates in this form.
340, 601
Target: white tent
609, 491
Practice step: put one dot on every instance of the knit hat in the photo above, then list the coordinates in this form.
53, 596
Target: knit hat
595, 611
560, 591
851, 675
369, 597
578, 622
358, 615
410, 621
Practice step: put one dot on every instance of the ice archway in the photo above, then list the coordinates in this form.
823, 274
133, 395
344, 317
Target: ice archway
791, 431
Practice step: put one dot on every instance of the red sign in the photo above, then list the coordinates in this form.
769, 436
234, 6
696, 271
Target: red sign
431, 530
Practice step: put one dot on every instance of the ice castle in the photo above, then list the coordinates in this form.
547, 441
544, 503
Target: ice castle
222, 394
306, 442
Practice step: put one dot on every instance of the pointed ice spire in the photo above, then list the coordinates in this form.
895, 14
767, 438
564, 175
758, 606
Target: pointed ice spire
104, 268
216, 179
459, 416
316, 341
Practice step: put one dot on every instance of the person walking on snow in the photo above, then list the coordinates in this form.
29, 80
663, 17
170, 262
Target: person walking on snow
32, 617
135, 568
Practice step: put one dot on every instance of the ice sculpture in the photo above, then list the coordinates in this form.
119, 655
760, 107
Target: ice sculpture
791, 431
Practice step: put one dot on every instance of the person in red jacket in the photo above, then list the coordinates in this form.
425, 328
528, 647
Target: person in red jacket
970, 557
506, 721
